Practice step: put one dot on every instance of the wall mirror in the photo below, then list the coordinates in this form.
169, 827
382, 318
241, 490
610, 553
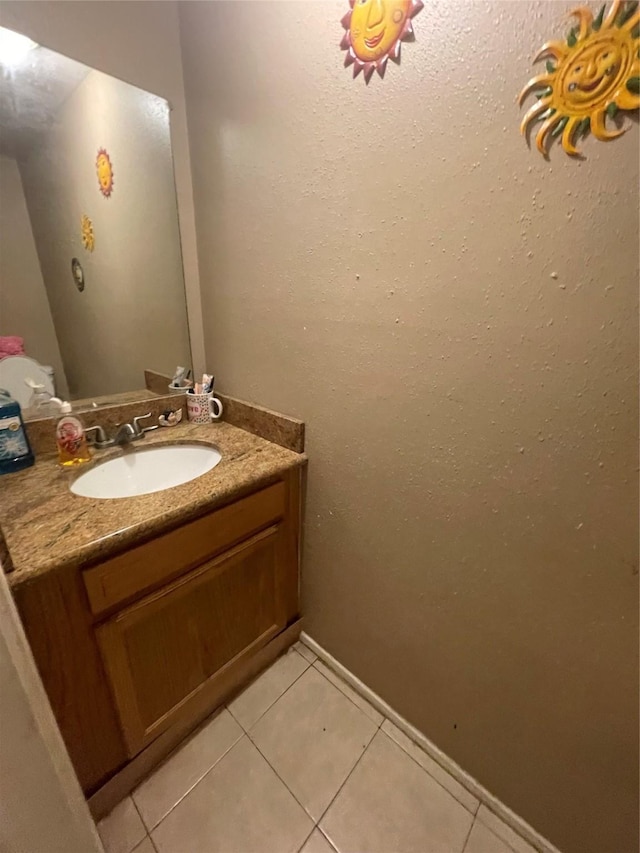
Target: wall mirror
91, 278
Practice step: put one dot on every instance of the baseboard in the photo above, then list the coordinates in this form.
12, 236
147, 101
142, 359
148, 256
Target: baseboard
481, 793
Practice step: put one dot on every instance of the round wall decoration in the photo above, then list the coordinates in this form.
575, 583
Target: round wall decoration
589, 78
88, 237
104, 170
78, 274
375, 30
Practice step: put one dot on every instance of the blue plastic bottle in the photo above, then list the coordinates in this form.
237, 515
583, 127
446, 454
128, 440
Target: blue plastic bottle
15, 451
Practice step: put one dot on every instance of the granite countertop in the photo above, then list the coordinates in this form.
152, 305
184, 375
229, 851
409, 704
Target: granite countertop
46, 527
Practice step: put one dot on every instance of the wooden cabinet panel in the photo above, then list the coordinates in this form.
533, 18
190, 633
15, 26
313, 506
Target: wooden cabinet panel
132, 573
163, 651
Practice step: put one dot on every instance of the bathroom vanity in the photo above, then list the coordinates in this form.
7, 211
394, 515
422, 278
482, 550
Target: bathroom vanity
146, 613
143, 613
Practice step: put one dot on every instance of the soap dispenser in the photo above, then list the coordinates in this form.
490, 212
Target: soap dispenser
70, 438
42, 403
15, 451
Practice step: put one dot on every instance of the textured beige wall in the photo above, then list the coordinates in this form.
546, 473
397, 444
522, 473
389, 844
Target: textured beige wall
24, 307
132, 313
137, 41
456, 321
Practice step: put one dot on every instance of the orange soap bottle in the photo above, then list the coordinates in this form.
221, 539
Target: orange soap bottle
70, 438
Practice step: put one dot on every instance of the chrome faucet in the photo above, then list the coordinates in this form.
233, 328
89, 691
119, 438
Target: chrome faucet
124, 434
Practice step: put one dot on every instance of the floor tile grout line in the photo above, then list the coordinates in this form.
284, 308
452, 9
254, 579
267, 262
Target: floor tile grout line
384, 719
315, 826
316, 822
430, 775
285, 691
186, 794
381, 723
337, 794
326, 837
315, 656
297, 678
147, 832
248, 734
466, 841
495, 832
474, 817
345, 782
135, 805
311, 818
313, 829
144, 825
192, 735
319, 671
245, 733
506, 843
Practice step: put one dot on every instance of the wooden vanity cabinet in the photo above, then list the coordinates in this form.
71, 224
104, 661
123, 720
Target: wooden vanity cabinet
165, 650
163, 633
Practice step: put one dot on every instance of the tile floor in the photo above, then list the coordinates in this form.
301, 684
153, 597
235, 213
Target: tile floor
300, 763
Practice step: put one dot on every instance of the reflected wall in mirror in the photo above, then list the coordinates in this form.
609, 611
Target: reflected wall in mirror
56, 115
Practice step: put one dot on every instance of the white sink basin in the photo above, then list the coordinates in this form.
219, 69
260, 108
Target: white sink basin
147, 470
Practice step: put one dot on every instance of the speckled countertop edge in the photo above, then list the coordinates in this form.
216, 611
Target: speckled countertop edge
46, 527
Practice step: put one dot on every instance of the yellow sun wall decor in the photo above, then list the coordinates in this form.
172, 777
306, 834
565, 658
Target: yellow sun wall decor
104, 170
86, 230
588, 78
375, 30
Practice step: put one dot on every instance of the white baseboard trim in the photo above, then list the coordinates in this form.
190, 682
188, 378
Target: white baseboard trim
490, 801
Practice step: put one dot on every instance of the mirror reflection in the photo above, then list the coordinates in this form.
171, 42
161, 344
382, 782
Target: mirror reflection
91, 281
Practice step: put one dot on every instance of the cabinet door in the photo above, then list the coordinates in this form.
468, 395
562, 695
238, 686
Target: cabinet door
165, 654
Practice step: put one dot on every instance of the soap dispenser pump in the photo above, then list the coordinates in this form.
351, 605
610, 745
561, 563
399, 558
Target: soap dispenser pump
70, 438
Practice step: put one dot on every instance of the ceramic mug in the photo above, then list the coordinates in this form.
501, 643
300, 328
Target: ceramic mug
203, 408
179, 389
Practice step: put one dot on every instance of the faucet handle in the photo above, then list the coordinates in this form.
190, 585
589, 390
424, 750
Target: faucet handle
141, 430
100, 436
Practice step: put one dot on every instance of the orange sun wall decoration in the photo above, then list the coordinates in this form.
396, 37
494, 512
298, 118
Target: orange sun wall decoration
589, 78
375, 30
104, 170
